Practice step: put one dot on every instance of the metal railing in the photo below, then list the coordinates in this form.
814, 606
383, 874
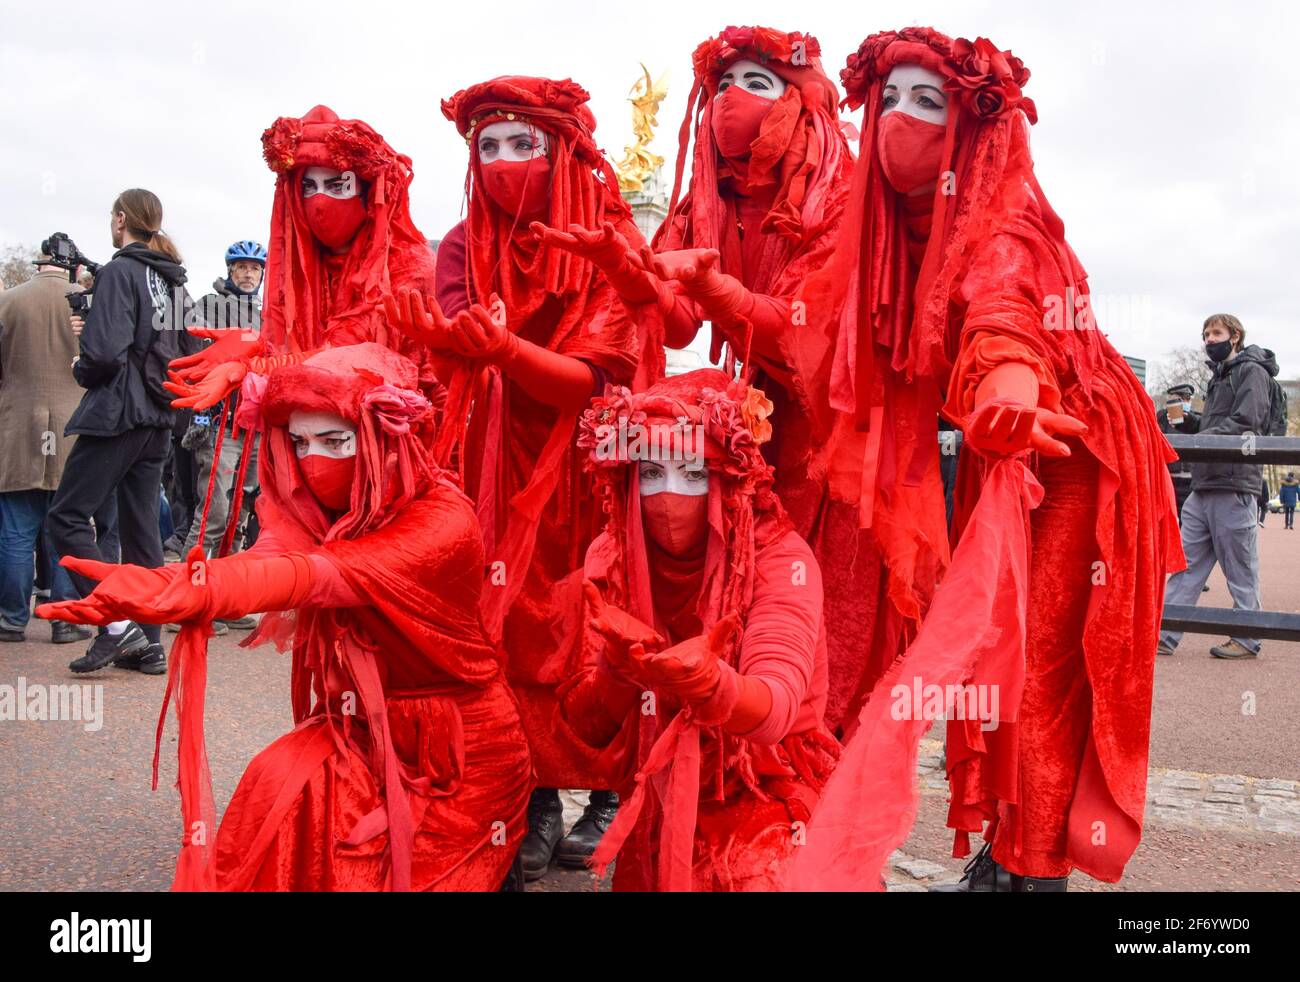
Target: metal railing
1268, 625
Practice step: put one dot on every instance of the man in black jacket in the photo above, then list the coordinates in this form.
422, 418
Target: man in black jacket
1178, 417
123, 423
1221, 516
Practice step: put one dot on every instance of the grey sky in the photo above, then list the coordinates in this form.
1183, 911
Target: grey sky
1168, 138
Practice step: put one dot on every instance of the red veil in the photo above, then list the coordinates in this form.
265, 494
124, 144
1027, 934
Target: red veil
554, 298
801, 158
900, 344
301, 312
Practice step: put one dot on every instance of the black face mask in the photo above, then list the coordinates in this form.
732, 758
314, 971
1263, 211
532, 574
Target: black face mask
1218, 351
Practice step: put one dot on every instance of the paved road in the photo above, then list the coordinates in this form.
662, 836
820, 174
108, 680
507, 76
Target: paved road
76, 810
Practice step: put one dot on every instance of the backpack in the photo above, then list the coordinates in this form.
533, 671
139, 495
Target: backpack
1276, 423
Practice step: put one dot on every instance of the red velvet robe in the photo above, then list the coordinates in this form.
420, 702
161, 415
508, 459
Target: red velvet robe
309, 813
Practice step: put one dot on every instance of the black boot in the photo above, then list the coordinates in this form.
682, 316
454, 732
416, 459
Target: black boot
61, 632
984, 874
545, 828
109, 648
576, 848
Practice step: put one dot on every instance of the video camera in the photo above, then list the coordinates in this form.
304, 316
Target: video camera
63, 252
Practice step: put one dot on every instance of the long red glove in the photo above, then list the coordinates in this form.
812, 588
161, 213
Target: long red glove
1007, 419
198, 589
610, 252
725, 300
228, 345
202, 380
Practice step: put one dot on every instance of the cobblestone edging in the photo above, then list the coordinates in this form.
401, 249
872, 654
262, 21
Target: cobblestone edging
1219, 801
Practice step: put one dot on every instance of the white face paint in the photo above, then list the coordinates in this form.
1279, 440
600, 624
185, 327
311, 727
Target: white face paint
508, 139
917, 92
752, 77
685, 477
322, 435
330, 182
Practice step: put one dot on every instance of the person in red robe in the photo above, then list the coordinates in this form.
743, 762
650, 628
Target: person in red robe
704, 682
342, 239
770, 177
535, 333
953, 281
407, 768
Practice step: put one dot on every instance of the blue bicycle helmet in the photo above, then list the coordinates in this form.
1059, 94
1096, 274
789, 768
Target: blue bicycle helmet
247, 250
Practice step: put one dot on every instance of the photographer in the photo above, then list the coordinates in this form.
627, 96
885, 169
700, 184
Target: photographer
37, 396
1220, 518
123, 423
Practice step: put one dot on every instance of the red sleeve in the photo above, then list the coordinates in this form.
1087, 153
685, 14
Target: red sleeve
451, 280
783, 633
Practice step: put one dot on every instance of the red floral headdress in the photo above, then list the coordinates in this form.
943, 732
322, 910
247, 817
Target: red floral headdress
764, 44
987, 81
734, 416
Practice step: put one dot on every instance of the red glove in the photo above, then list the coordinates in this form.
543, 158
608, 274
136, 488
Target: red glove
198, 589
690, 670
232, 345
420, 320
1007, 419
626, 638
482, 332
725, 301
623, 267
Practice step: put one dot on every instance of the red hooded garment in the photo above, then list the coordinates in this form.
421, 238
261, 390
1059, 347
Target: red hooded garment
516, 454
703, 808
408, 768
773, 218
1054, 606
313, 297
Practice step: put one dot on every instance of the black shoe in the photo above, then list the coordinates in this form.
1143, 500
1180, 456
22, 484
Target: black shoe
246, 623
982, 875
9, 634
151, 661
576, 848
110, 647
545, 827
61, 632
1164, 649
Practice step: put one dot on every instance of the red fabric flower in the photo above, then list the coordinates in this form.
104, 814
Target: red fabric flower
280, 143
987, 81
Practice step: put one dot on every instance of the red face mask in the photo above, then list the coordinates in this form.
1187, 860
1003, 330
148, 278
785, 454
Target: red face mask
330, 479
676, 523
519, 187
334, 221
911, 151
737, 116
